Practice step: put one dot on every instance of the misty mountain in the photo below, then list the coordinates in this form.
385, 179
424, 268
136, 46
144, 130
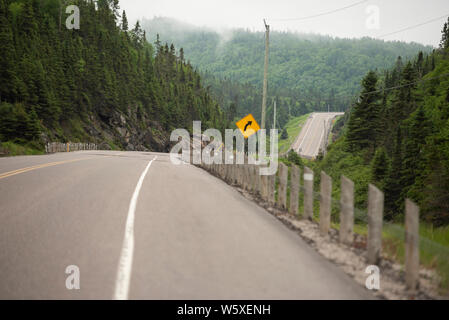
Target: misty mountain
309, 67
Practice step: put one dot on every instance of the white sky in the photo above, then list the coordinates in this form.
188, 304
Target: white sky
393, 15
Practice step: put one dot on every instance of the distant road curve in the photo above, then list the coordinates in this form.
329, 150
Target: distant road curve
314, 134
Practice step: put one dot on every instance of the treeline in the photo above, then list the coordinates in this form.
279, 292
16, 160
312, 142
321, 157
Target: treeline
102, 82
238, 99
397, 135
306, 72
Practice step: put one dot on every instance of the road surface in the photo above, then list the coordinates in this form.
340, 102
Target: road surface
139, 227
312, 135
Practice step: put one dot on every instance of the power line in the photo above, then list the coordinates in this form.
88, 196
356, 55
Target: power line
380, 36
412, 27
322, 14
356, 4
383, 89
407, 84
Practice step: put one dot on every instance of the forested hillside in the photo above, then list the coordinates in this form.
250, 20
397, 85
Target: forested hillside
238, 99
397, 136
306, 72
103, 83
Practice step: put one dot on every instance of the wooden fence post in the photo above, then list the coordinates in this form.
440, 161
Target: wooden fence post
411, 246
283, 179
271, 185
234, 173
256, 179
294, 189
246, 177
375, 217
250, 178
346, 233
308, 193
264, 187
237, 174
325, 203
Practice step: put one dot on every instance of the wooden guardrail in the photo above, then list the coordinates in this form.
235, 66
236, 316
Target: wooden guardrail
53, 147
247, 177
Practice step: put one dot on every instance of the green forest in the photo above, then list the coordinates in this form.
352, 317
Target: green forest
306, 72
397, 136
103, 82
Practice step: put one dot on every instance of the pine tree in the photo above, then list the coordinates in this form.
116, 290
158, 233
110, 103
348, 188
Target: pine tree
444, 43
124, 21
365, 118
418, 129
420, 64
157, 43
181, 55
380, 167
392, 182
137, 35
404, 100
29, 27
397, 71
8, 77
33, 126
8, 122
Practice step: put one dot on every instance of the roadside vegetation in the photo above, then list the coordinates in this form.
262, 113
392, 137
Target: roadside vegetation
13, 149
292, 129
397, 137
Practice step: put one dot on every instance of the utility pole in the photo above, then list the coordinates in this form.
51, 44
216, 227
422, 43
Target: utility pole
274, 116
265, 74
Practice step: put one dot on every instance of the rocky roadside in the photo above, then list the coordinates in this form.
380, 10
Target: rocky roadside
352, 259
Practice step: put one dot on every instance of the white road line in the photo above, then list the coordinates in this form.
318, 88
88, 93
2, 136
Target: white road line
317, 149
307, 131
309, 142
126, 257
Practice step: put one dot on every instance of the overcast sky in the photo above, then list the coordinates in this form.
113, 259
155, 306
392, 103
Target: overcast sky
371, 18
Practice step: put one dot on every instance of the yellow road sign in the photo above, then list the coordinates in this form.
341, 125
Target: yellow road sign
248, 126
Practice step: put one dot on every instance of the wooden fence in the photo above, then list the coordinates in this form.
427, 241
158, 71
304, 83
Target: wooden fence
247, 177
53, 147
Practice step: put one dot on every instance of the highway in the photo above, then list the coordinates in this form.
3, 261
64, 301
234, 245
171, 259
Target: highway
310, 139
139, 227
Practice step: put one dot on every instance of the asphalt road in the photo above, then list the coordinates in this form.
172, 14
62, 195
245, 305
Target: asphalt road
147, 230
310, 139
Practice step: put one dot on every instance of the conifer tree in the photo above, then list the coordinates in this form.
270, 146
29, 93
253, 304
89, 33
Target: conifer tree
392, 182
7, 58
365, 118
418, 129
444, 43
124, 21
380, 167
